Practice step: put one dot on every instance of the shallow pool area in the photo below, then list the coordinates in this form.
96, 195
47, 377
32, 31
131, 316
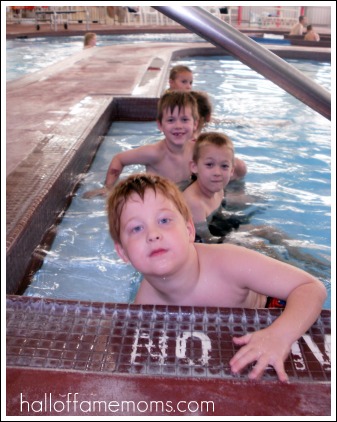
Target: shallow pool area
289, 179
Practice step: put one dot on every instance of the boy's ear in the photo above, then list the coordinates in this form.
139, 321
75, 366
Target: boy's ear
159, 125
193, 167
121, 253
191, 230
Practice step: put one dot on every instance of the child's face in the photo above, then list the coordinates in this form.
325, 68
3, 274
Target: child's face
155, 237
214, 167
179, 126
182, 82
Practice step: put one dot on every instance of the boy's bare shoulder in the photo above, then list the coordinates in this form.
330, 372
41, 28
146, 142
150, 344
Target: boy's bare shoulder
151, 153
157, 148
225, 252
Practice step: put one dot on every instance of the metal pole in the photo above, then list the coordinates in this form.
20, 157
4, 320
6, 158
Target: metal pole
252, 54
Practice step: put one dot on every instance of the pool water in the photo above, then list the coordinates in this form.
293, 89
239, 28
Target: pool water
287, 149
28, 55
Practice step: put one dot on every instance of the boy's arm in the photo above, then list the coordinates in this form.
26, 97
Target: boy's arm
305, 296
144, 155
272, 345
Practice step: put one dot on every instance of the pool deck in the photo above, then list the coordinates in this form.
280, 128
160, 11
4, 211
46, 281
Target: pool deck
51, 114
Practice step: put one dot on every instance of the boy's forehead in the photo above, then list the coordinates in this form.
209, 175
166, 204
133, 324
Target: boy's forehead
149, 195
208, 146
185, 74
153, 200
186, 109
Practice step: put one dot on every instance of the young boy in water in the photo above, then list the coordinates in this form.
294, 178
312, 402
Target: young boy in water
152, 228
181, 78
213, 165
311, 35
205, 113
177, 118
90, 40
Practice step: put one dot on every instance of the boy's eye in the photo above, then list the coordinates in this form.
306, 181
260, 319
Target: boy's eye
164, 220
136, 229
225, 166
209, 165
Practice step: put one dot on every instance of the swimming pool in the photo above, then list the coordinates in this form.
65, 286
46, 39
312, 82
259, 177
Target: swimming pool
28, 55
293, 189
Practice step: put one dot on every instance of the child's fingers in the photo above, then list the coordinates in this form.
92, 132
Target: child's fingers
240, 341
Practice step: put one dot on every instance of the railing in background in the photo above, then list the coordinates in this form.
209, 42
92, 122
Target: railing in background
240, 16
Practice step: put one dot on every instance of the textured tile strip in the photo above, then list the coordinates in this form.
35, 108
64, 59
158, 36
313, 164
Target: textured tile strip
149, 340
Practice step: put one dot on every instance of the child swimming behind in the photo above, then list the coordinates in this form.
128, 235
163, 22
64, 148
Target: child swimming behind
177, 118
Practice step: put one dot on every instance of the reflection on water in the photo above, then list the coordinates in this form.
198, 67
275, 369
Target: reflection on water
286, 147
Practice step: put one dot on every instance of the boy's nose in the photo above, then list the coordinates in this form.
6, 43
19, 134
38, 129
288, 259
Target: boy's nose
153, 234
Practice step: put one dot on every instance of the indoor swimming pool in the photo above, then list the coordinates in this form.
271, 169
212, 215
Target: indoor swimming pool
287, 149
28, 55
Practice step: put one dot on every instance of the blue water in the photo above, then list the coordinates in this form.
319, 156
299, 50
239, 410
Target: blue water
28, 55
287, 149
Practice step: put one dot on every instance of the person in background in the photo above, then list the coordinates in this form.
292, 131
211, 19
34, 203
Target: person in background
311, 35
89, 40
181, 78
152, 228
298, 28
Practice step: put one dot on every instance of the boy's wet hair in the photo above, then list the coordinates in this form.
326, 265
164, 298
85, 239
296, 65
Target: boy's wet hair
172, 99
88, 37
204, 107
138, 184
214, 138
204, 104
178, 69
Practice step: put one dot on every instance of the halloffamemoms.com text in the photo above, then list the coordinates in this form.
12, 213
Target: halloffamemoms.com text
70, 403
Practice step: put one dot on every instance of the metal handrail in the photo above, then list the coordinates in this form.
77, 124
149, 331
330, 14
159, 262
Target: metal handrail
252, 54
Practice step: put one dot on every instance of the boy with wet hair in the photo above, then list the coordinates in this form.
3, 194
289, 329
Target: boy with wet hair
205, 113
177, 118
153, 229
181, 78
89, 40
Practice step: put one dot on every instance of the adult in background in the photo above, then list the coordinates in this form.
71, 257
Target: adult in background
298, 28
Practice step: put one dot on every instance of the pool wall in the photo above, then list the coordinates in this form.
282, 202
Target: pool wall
55, 181
50, 340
